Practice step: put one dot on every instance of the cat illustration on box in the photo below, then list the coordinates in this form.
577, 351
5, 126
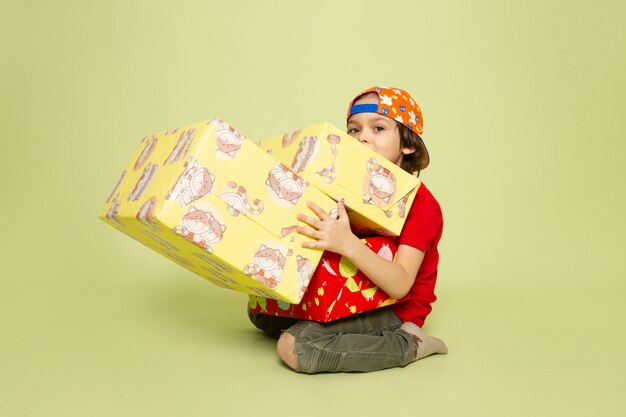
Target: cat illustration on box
182, 146
146, 213
289, 138
402, 204
227, 140
303, 155
113, 212
238, 201
201, 228
305, 272
285, 184
267, 266
145, 153
381, 184
117, 185
382, 181
143, 183
195, 182
329, 172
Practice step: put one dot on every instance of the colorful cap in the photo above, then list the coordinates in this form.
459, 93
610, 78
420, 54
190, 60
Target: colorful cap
398, 105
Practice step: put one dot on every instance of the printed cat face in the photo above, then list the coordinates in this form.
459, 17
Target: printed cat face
304, 267
194, 182
197, 221
268, 258
227, 142
216, 230
273, 179
200, 222
381, 186
382, 183
290, 189
201, 182
285, 184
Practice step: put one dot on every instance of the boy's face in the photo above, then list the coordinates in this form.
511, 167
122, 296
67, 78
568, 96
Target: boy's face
378, 132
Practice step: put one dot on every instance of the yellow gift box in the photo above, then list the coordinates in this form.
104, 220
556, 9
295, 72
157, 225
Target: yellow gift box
212, 201
377, 193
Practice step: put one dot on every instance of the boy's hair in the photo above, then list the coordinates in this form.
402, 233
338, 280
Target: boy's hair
409, 139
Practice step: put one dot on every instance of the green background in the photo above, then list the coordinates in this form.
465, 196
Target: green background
524, 106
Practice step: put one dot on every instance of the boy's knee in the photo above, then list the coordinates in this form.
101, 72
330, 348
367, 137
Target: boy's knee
286, 350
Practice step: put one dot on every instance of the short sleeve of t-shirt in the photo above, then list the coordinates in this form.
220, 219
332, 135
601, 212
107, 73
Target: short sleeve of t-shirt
423, 222
422, 229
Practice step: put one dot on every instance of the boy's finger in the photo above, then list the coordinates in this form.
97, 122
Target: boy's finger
308, 232
318, 211
311, 221
311, 244
341, 209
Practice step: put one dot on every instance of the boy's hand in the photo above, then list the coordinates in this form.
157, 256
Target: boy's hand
330, 234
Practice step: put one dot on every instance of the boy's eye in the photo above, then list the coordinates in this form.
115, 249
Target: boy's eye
352, 130
379, 128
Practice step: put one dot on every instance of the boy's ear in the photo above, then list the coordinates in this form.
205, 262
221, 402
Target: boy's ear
408, 151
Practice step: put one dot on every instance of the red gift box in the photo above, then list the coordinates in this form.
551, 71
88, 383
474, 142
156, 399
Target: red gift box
337, 288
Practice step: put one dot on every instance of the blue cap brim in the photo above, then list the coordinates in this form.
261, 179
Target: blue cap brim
363, 108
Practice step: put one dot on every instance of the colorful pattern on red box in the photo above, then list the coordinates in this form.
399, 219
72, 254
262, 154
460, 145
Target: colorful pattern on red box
337, 288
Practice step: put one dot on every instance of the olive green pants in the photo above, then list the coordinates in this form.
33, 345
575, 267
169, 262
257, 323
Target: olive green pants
364, 342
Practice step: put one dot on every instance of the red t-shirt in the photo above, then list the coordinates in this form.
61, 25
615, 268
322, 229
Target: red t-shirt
422, 230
